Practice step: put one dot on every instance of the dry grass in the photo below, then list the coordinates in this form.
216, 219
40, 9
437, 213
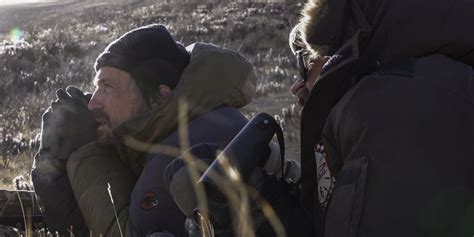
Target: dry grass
19, 167
59, 51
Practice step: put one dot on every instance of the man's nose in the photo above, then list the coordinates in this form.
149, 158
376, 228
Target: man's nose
95, 102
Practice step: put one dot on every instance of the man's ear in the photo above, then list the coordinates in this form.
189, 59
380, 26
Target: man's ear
165, 91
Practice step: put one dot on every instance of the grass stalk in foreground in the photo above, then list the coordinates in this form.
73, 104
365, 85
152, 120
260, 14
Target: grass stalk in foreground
109, 189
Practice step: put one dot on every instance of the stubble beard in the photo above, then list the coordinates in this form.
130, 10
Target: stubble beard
104, 135
104, 131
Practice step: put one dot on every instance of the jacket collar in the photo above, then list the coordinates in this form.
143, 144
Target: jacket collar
334, 81
215, 76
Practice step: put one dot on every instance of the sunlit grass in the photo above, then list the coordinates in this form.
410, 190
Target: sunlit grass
59, 56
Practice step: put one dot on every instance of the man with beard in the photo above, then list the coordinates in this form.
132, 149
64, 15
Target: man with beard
393, 108
100, 165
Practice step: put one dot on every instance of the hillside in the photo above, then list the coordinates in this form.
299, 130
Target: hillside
46, 47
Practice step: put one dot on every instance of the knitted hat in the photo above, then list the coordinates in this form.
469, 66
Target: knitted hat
150, 55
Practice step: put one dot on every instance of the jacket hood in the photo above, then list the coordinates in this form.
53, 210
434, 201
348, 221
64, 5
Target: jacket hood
391, 29
215, 76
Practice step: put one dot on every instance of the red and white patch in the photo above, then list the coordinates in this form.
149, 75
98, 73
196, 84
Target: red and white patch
148, 201
325, 180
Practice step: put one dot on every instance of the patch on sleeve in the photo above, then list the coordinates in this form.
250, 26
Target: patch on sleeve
148, 201
325, 180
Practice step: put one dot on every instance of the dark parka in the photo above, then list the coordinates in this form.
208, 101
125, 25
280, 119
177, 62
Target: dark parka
395, 109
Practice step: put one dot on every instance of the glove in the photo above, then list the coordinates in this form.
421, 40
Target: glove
67, 124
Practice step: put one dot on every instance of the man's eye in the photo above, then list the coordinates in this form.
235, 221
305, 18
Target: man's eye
107, 87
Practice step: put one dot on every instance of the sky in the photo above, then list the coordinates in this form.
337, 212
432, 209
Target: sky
13, 2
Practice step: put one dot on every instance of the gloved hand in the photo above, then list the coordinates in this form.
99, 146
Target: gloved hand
67, 124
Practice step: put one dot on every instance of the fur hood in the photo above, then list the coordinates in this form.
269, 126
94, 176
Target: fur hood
311, 13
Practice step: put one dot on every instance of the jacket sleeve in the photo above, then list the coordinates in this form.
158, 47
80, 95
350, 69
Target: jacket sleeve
60, 210
102, 185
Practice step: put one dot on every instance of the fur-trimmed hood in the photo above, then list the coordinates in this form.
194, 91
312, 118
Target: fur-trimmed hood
311, 13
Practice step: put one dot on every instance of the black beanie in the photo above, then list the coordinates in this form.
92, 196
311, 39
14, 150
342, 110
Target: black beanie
150, 55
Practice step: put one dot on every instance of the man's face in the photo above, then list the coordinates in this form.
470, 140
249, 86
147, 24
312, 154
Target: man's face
116, 99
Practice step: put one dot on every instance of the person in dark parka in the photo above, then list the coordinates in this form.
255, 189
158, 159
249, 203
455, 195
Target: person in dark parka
394, 108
